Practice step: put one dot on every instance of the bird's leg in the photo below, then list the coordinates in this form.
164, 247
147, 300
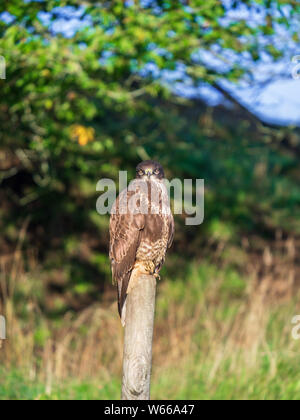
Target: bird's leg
157, 270
138, 270
153, 270
156, 275
142, 268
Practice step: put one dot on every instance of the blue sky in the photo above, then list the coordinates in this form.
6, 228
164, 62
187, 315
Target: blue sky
274, 95
278, 103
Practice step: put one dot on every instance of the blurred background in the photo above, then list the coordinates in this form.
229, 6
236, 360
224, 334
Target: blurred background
209, 89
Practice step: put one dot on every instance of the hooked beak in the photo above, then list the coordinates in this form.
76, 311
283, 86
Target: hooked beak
148, 173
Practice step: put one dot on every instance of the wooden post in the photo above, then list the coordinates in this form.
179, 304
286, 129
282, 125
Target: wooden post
137, 358
2, 330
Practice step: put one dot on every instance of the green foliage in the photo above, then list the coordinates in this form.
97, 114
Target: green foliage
76, 108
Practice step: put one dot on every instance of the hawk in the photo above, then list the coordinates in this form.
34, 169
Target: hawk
141, 230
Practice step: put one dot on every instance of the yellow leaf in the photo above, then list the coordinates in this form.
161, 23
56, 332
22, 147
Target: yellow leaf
83, 135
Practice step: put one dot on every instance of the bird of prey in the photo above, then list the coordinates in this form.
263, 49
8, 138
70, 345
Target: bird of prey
141, 230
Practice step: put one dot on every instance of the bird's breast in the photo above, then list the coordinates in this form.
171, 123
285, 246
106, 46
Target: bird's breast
154, 239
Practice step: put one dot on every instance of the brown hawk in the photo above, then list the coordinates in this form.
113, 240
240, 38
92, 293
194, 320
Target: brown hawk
141, 230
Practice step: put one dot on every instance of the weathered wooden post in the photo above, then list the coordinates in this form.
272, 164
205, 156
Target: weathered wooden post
2, 330
137, 358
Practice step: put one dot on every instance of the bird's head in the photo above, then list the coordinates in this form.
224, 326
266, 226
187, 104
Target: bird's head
149, 169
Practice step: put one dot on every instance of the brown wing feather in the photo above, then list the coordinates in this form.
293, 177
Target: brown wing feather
125, 232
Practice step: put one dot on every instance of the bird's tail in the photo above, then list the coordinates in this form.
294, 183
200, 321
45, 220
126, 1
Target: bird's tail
122, 294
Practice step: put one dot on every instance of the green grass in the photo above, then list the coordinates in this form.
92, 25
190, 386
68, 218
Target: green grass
216, 338
185, 382
258, 384
14, 386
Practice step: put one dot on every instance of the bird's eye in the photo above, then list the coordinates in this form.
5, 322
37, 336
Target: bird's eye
156, 172
140, 172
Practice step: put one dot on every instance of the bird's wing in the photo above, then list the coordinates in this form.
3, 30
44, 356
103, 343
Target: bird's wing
125, 232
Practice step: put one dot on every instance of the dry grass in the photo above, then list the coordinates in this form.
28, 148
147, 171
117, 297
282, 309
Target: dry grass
213, 323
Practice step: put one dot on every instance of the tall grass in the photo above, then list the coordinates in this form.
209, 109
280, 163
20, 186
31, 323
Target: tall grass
218, 334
